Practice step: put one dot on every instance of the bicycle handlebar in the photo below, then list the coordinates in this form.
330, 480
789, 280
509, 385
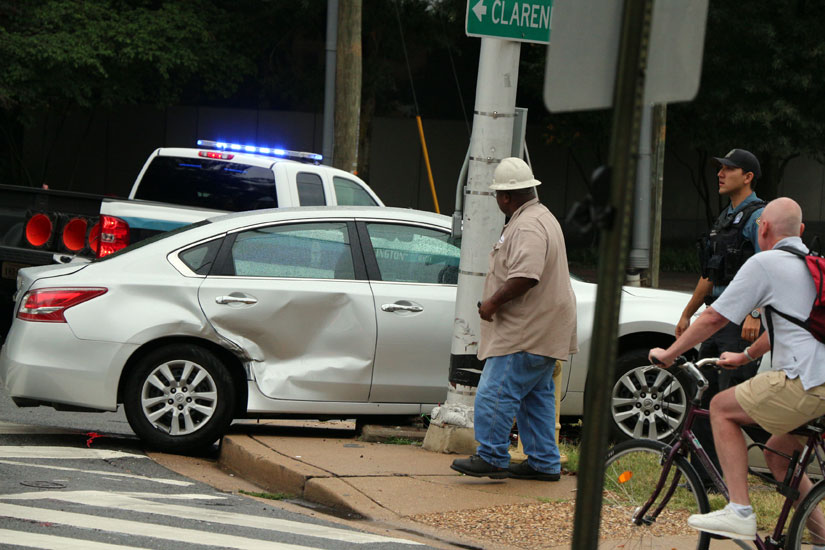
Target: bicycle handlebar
692, 369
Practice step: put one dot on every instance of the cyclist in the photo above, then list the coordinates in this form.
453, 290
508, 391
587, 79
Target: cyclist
779, 400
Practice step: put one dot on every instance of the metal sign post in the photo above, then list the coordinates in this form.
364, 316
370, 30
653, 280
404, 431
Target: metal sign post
624, 145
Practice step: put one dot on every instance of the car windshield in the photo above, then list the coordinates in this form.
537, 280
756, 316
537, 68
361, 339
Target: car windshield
153, 239
208, 183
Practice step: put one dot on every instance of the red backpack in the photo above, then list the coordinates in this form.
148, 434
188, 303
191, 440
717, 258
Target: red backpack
815, 323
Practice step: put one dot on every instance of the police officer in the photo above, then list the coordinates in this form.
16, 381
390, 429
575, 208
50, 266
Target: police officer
731, 241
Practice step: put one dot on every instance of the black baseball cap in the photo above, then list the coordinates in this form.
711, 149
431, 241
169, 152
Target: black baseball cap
739, 158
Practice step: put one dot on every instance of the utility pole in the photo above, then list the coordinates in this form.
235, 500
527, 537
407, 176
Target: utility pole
329, 81
657, 169
491, 141
348, 86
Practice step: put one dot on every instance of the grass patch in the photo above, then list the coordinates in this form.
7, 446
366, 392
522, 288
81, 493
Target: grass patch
572, 452
766, 502
270, 496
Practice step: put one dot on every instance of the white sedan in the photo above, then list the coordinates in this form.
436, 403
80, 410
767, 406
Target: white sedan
308, 312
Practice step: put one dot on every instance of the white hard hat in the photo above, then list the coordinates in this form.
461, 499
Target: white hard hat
513, 173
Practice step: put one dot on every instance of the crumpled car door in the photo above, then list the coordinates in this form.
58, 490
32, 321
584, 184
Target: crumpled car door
288, 295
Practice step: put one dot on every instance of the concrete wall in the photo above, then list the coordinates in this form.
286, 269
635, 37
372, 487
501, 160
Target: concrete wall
103, 152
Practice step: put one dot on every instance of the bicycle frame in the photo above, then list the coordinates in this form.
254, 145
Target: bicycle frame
687, 442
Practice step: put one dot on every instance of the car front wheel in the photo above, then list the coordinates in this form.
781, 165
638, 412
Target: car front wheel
179, 398
647, 402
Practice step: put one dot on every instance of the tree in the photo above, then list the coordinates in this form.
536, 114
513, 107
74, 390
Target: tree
763, 71
60, 55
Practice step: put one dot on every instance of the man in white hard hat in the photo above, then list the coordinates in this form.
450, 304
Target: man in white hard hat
528, 313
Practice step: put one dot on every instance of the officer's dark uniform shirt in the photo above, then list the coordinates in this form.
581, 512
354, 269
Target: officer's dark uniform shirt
750, 231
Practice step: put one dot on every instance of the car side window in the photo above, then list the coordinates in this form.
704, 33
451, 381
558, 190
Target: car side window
307, 251
412, 254
349, 193
310, 189
200, 258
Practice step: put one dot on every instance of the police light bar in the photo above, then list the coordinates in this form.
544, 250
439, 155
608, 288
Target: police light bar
271, 151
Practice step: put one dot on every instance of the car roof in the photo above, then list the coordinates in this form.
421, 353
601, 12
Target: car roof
252, 217
262, 161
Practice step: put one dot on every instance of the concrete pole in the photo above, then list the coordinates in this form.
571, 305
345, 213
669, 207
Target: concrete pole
490, 142
329, 81
639, 258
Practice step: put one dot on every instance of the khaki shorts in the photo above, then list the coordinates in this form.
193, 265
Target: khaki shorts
778, 403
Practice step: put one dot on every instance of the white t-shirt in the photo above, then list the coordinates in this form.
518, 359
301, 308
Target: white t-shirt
779, 279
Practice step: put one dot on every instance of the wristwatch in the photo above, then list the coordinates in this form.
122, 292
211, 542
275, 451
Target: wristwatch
755, 314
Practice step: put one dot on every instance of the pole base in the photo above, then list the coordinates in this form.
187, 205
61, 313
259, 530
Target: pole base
450, 439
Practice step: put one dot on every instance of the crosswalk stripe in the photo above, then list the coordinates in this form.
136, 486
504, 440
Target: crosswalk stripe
99, 472
65, 453
52, 542
136, 528
122, 501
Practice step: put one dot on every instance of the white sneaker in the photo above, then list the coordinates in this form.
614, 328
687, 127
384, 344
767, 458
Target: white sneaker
725, 522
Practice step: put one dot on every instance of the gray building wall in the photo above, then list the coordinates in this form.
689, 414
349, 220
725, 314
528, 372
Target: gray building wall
102, 153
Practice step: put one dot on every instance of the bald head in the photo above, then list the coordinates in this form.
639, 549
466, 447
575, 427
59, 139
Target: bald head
785, 216
781, 218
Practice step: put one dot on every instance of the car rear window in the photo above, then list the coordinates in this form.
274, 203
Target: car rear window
208, 183
349, 193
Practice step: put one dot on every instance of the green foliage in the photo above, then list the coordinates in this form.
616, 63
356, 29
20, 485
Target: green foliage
763, 70
72, 53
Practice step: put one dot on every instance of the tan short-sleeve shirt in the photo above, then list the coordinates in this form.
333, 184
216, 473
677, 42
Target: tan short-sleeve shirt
542, 321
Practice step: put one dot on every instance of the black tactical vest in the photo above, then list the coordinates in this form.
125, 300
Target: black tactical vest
723, 251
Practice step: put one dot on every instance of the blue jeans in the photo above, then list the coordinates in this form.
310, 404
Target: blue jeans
518, 385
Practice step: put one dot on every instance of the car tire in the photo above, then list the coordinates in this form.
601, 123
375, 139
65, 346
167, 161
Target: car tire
646, 402
179, 398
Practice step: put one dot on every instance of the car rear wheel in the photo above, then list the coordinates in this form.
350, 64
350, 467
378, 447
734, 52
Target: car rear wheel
647, 402
179, 398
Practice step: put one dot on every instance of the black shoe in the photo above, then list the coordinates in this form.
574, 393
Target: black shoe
525, 471
477, 467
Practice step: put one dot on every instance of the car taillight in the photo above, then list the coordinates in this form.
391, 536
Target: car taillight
114, 235
48, 305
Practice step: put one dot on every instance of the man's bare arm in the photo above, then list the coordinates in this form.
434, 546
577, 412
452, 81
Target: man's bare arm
511, 289
703, 288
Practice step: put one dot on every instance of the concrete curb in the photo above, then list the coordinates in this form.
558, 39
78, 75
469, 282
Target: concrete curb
257, 463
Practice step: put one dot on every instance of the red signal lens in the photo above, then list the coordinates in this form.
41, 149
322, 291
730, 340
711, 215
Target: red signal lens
94, 238
74, 234
49, 305
215, 155
39, 229
114, 235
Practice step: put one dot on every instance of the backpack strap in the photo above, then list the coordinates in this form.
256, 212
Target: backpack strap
769, 310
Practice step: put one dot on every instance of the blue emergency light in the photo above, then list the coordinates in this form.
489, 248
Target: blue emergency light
270, 151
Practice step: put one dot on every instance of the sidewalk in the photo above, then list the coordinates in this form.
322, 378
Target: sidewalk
405, 486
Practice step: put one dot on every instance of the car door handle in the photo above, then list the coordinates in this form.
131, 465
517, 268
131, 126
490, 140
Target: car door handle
236, 300
401, 307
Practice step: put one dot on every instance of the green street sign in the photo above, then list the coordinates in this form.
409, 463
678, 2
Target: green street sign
509, 19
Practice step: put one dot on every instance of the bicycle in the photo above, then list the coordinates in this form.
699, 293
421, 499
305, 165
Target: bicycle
634, 468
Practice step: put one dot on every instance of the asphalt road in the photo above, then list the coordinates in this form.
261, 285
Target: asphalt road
61, 487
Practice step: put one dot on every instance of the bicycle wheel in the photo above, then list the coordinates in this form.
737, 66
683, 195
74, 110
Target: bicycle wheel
808, 522
631, 473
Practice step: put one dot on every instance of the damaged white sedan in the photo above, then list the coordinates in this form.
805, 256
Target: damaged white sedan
311, 312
